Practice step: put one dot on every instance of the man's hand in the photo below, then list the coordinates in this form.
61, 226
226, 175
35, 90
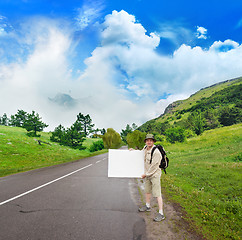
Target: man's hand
143, 176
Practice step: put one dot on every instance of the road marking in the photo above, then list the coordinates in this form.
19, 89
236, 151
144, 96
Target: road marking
44, 185
98, 161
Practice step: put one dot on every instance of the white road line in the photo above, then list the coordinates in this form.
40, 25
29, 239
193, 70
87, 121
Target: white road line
44, 185
98, 161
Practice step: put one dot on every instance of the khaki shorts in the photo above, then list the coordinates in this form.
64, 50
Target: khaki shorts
152, 185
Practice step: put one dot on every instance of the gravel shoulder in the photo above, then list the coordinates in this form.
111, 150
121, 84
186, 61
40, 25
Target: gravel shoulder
174, 227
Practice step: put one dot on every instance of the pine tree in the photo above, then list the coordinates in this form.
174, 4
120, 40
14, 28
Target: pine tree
4, 120
33, 124
86, 123
18, 119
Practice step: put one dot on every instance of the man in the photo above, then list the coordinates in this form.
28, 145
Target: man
152, 177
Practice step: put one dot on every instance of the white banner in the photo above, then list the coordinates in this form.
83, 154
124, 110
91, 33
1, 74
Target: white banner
125, 163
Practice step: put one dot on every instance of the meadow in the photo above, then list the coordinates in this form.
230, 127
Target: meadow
204, 177
19, 153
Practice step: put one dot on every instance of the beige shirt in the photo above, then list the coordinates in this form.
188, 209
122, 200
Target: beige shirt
152, 170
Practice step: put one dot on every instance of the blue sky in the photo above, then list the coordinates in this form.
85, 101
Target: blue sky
122, 59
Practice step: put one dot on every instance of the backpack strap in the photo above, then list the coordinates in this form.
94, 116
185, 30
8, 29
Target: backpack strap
152, 152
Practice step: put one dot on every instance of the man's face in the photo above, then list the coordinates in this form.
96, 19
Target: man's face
149, 142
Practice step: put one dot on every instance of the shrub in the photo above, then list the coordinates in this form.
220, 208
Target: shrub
196, 122
159, 137
136, 139
96, 146
112, 139
189, 133
175, 135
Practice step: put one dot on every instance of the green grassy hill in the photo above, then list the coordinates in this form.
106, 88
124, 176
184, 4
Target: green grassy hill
19, 153
204, 177
224, 94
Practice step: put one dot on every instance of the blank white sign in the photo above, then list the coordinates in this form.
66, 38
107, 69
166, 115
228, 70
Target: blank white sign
125, 163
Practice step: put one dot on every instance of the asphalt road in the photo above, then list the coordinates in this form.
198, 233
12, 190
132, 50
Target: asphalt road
69, 201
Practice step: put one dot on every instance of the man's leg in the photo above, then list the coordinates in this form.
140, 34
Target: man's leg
157, 193
147, 198
160, 204
148, 190
160, 216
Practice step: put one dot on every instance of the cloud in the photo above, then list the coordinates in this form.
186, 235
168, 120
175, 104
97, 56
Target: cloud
201, 33
225, 46
125, 80
5, 26
88, 13
122, 28
175, 32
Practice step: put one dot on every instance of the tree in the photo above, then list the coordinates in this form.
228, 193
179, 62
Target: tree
4, 120
111, 139
124, 133
18, 119
134, 126
175, 135
211, 119
196, 122
103, 131
136, 139
229, 116
160, 127
73, 137
86, 123
33, 124
58, 134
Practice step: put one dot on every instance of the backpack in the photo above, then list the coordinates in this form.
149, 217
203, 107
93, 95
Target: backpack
164, 161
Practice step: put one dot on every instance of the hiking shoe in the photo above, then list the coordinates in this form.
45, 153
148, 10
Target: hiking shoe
144, 209
159, 217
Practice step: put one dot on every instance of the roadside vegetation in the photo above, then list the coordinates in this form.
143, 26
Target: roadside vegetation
19, 153
204, 177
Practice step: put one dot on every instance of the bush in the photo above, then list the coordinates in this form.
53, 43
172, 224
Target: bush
175, 135
96, 146
229, 116
159, 137
136, 139
189, 133
112, 139
196, 122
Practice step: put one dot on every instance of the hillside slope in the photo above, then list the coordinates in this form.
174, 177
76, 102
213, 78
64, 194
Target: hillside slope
204, 177
217, 96
19, 153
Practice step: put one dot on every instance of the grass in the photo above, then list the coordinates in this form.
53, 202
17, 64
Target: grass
192, 100
204, 177
206, 92
19, 153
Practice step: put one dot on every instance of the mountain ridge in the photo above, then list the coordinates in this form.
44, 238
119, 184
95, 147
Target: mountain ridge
214, 97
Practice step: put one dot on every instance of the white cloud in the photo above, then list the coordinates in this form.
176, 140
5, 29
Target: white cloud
225, 46
125, 79
201, 32
122, 28
176, 33
89, 13
5, 26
